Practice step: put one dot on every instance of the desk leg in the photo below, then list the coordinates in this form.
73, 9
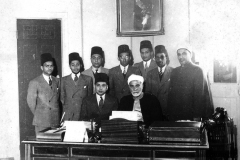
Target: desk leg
27, 151
153, 155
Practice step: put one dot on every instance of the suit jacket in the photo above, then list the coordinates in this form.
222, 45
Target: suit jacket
189, 94
89, 72
150, 107
140, 65
118, 84
159, 88
72, 95
43, 101
91, 110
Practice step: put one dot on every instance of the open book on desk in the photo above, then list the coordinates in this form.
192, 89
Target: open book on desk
128, 115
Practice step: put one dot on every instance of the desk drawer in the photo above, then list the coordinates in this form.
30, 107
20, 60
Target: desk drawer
50, 151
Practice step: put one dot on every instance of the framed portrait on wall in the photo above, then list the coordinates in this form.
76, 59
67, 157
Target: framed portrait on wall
139, 17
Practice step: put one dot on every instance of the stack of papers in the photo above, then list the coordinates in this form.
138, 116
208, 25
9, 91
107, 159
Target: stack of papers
128, 115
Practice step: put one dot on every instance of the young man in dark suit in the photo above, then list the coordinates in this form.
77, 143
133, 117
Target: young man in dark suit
74, 88
43, 96
158, 79
118, 75
99, 106
148, 63
97, 59
147, 105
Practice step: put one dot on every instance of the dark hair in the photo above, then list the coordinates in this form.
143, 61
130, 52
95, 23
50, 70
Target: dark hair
81, 64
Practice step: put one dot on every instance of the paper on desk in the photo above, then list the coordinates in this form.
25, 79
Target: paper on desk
128, 115
75, 131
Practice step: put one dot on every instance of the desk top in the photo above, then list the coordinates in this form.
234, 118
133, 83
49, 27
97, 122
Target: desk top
204, 145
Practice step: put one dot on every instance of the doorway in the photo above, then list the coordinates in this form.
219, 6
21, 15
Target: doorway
35, 36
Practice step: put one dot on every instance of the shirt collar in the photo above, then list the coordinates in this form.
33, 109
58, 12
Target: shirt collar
148, 63
47, 78
99, 69
163, 69
73, 75
98, 97
122, 68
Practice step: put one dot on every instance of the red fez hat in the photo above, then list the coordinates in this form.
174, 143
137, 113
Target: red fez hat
123, 48
45, 57
146, 44
97, 50
101, 77
74, 56
160, 49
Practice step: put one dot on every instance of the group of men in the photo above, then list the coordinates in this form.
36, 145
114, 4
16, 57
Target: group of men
152, 88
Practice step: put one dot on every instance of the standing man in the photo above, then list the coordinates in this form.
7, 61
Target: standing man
189, 94
158, 79
97, 62
43, 96
147, 105
99, 106
118, 75
148, 63
74, 88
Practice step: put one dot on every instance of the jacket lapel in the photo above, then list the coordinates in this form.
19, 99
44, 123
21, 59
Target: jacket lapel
166, 76
119, 74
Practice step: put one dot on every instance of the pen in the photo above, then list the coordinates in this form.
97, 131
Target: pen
62, 117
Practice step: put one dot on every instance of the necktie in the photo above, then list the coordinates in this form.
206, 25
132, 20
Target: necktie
101, 103
145, 67
124, 72
96, 71
50, 81
160, 74
75, 78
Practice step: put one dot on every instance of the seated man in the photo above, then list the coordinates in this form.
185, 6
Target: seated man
99, 106
147, 104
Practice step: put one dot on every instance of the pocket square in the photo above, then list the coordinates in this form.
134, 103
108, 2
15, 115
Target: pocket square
85, 87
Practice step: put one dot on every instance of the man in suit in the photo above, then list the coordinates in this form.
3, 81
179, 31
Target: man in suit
158, 79
97, 59
99, 106
189, 97
43, 96
147, 105
74, 88
148, 63
118, 75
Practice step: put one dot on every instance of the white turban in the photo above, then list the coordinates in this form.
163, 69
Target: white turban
135, 77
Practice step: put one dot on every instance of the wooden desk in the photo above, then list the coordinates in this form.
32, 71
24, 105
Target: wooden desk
36, 150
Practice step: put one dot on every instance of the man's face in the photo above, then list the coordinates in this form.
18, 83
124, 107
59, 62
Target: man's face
146, 54
47, 68
75, 66
184, 56
101, 88
96, 60
136, 88
160, 59
124, 58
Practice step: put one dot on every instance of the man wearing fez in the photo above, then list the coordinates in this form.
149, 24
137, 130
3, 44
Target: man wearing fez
118, 75
147, 105
43, 96
97, 62
74, 88
99, 106
158, 79
189, 95
148, 63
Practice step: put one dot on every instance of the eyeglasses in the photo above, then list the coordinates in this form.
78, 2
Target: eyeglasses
134, 86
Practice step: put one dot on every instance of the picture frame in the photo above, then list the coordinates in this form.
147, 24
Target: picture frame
139, 18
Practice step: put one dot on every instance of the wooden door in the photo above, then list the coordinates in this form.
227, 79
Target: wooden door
34, 38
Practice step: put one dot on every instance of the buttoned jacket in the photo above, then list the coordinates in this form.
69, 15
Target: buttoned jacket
43, 101
72, 94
